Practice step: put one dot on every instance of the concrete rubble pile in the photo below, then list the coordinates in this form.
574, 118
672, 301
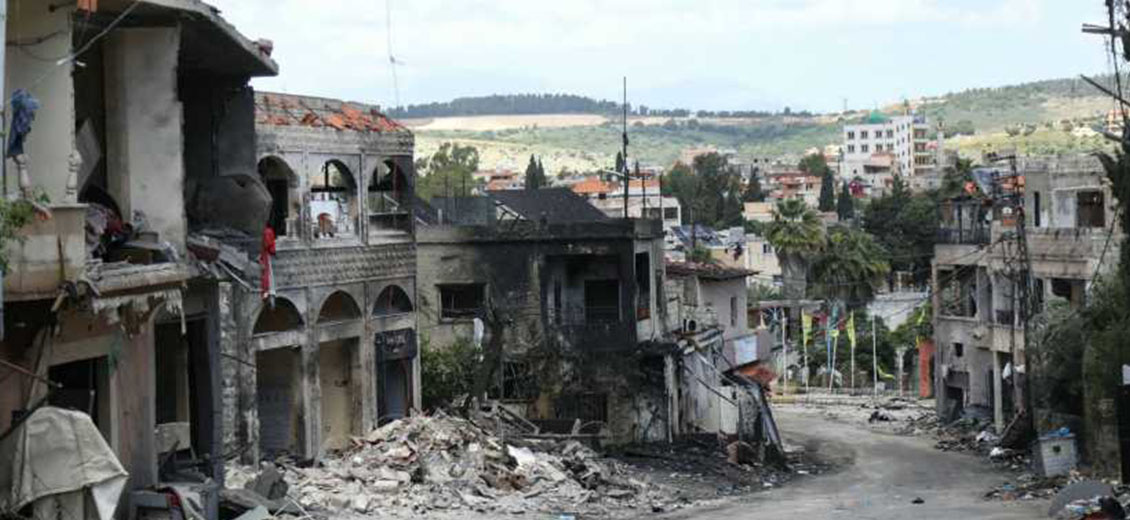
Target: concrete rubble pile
441, 462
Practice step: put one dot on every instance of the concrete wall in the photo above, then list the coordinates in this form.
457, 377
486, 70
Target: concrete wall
143, 125
52, 138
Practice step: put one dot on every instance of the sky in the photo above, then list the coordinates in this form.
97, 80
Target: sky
698, 54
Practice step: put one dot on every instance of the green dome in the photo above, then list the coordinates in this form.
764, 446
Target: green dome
875, 118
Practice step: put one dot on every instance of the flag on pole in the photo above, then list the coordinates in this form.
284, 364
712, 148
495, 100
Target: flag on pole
851, 329
806, 326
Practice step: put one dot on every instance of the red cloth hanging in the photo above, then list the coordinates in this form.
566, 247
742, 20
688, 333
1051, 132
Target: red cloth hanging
265, 254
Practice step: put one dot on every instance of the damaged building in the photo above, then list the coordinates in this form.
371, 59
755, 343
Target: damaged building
1069, 217
319, 333
596, 339
105, 311
576, 297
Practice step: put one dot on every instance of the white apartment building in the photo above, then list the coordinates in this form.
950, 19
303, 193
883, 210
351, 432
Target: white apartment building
903, 137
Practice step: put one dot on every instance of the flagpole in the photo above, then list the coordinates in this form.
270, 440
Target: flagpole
785, 345
851, 323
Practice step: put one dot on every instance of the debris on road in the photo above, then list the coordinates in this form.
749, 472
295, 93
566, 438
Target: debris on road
424, 465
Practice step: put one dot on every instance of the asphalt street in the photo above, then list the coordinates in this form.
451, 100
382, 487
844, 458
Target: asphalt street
878, 477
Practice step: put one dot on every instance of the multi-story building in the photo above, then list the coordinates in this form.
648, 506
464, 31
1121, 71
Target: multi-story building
644, 201
326, 329
576, 300
1069, 217
905, 138
103, 295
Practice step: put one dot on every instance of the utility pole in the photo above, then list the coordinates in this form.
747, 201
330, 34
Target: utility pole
626, 172
874, 359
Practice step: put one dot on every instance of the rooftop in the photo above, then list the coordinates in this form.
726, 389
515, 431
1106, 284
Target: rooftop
554, 205
707, 271
272, 108
592, 185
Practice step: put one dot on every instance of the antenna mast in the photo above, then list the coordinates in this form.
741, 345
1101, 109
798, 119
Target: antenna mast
626, 172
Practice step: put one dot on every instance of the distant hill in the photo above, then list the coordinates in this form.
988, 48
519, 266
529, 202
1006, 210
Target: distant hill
551, 125
530, 104
1039, 102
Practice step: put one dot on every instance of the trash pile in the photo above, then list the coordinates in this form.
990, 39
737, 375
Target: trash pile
443, 463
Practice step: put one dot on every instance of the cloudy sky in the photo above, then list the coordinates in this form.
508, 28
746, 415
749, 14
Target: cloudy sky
699, 54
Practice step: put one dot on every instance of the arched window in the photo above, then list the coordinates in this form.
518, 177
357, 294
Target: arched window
282, 317
392, 300
340, 306
389, 195
282, 184
333, 207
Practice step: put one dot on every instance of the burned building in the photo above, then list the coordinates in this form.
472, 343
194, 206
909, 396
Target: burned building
104, 310
319, 327
574, 298
1069, 236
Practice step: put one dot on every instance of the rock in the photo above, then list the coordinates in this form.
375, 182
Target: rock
269, 483
394, 474
918, 500
384, 486
359, 503
740, 452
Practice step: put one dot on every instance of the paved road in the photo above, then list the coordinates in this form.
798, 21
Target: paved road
879, 477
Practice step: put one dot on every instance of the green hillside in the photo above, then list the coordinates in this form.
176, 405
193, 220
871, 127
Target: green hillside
982, 114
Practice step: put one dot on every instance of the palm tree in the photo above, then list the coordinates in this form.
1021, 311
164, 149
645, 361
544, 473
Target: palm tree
850, 267
796, 234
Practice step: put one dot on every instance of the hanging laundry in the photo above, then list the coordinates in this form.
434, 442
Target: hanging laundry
24, 106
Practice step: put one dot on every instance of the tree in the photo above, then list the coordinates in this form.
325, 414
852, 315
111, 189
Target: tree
542, 177
709, 191
753, 191
619, 162
796, 234
827, 192
814, 164
845, 206
449, 171
906, 226
849, 267
535, 178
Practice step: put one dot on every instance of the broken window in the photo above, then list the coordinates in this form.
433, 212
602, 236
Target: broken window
958, 350
959, 292
281, 183
392, 300
332, 207
518, 382
588, 407
389, 194
461, 300
1036, 220
1090, 212
643, 286
602, 301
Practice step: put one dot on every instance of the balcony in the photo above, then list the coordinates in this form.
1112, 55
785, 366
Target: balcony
47, 254
976, 235
594, 327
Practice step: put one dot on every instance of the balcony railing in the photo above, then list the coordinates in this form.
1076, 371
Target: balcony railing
979, 235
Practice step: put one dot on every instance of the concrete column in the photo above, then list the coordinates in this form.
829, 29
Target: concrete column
135, 388
998, 399
367, 358
311, 401
145, 166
